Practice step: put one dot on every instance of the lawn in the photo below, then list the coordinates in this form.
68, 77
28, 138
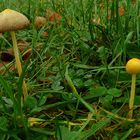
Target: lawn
71, 77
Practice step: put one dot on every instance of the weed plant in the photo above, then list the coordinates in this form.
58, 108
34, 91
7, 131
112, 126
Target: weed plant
77, 84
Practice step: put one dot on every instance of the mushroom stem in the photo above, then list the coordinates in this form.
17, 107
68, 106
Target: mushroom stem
18, 63
132, 95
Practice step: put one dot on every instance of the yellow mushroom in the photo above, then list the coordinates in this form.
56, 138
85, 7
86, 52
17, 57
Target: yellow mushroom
133, 68
11, 21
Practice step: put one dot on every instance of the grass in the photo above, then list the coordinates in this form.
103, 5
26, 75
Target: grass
77, 84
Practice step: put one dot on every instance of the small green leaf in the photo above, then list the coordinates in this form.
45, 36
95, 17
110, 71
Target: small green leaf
78, 82
42, 100
114, 92
30, 102
99, 91
89, 83
3, 123
35, 110
107, 100
56, 85
8, 101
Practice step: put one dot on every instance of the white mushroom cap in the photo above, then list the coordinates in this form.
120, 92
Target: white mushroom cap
11, 20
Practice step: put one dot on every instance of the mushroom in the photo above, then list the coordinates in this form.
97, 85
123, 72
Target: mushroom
12, 21
52, 16
40, 21
133, 68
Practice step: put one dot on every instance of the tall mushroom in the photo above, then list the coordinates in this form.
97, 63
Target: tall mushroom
133, 68
12, 21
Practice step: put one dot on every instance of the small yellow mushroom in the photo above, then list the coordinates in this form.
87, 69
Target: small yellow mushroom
133, 68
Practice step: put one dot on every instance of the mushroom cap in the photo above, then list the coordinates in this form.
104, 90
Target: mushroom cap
11, 20
133, 66
40, 21
53, 16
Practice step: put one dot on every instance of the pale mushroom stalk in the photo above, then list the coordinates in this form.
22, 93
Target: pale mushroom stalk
16, 53
132, 95
17, 61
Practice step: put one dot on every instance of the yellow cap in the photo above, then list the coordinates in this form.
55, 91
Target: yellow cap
133, 66
11, 20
